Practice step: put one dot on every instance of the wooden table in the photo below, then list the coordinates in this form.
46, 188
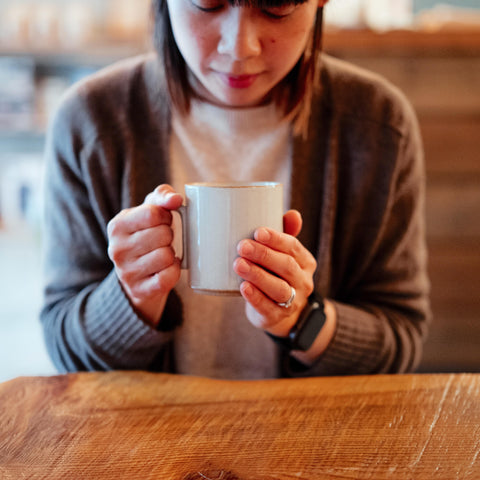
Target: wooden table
152, 426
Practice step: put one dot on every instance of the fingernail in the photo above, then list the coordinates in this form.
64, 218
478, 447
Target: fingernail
245, 248
246, 289
262, 235
242, 266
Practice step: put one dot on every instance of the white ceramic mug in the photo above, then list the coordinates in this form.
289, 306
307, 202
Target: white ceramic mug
215, 218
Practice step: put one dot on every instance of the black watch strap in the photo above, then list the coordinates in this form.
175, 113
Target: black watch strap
305, 331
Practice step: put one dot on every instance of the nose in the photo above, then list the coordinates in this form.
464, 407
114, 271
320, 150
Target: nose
239, 36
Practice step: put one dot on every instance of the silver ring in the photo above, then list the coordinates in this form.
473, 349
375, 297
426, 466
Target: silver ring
289, 301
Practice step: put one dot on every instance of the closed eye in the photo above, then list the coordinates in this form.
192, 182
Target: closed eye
279, 12
207, 5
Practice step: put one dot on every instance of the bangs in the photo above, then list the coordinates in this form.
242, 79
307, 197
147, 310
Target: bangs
264, 3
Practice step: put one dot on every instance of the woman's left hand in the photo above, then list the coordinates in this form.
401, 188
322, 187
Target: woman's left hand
270, 265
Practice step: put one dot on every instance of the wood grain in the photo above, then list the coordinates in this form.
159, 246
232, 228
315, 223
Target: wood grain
146, 426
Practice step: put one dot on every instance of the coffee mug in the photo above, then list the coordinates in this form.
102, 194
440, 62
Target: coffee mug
215, 218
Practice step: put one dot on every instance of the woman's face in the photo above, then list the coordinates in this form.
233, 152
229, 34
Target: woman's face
238, 54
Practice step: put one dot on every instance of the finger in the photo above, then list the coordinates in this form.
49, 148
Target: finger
282, 264
159, 283
148, 240
292, 222
134, 272
287, 244
275, 288
131, 220
264, 306
155, 261
164, 196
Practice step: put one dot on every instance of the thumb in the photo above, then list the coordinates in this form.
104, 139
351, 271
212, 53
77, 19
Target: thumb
164, 196
292, 222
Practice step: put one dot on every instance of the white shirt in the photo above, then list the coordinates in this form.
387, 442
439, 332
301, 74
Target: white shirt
225, 144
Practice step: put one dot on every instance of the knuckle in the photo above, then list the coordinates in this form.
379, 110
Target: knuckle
295, 247
257, 274
165, 257
111, 252
151, 214
160, 216
169, 255
166, 234
291, 266
264, 255
163, 284
112, 227
115, 253
174, 273
128, 277
309, 288
287, 291
163, 188
156, 286
136, 292
116, 225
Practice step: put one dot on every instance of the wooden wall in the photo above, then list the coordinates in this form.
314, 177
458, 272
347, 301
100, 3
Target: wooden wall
440, 73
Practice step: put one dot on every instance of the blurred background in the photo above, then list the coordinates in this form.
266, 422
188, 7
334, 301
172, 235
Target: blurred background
430, 50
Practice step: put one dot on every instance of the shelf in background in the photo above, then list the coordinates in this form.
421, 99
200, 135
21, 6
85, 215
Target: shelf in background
352, 41
95, 55
20, 142
403, 42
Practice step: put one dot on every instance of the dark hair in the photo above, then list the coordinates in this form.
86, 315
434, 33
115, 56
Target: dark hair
293, 94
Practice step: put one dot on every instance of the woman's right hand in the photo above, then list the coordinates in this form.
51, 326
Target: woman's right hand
140, 246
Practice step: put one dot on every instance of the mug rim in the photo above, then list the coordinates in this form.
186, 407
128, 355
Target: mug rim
233, 184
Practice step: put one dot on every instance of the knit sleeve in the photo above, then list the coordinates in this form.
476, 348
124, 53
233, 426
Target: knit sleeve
88, 322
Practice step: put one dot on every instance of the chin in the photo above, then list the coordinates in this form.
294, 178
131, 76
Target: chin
236, 101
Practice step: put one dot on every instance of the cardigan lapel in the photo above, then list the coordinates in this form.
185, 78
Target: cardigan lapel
314, 189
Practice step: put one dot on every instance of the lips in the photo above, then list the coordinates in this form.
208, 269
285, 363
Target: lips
238, 81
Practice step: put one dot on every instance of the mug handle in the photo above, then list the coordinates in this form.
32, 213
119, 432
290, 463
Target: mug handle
182, 211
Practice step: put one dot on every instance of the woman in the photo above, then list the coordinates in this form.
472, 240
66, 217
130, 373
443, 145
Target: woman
236, 91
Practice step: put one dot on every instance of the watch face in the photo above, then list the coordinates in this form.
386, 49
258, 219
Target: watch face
310, 329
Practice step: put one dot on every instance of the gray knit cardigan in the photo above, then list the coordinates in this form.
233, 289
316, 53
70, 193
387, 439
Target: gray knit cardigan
358, 180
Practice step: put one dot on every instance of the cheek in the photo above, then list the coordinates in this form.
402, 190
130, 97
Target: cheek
293, 39
189, 36
199, 41
285, 49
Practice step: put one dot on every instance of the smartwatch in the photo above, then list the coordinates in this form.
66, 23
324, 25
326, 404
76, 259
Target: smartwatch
305, 331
